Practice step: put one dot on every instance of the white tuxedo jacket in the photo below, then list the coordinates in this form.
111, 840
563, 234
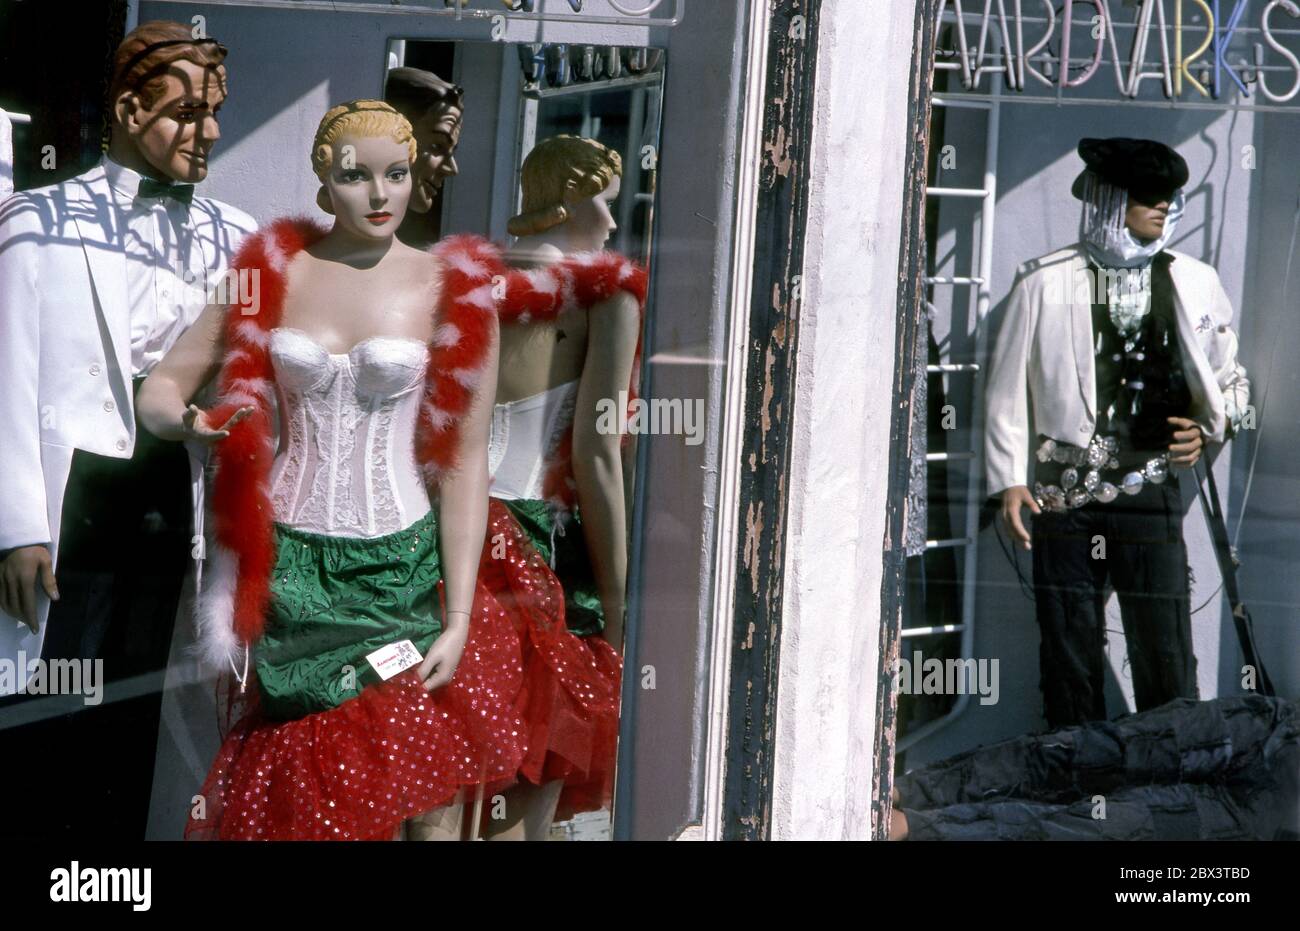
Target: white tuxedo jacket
65, 352
1044, 361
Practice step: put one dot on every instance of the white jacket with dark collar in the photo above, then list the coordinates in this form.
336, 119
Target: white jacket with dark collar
1044, 360
65, 352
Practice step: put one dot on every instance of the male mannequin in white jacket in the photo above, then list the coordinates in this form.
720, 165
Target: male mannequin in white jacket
102, 274
1123, 352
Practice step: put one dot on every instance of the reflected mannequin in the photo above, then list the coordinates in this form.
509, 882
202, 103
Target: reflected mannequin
362, 531
593, 347
557, 475
100, 276
435, 109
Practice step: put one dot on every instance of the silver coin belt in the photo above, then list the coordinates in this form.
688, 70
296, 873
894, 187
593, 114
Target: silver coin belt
1081, 481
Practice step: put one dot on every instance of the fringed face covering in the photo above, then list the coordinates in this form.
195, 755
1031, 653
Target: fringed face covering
1125, 262
1104, 231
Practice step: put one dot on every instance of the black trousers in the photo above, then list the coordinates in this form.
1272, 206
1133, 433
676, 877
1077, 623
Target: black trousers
124, 549
1134, 543
1226, 769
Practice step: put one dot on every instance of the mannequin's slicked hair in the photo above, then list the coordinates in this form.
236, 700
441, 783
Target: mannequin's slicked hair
370, 118
558, 171
143, 57
413, 92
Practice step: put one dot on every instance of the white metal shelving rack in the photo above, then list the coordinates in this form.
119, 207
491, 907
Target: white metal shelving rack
987, 195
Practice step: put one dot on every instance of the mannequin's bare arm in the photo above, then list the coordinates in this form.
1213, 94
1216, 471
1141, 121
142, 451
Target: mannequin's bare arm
597, 463
462, 523
163, 404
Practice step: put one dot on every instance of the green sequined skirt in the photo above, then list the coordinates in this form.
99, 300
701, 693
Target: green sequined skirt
565, 548
336, 599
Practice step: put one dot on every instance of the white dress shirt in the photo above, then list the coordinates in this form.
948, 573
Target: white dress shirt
158, 239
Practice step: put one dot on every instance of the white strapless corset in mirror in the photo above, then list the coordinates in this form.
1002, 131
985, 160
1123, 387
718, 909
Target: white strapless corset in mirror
346, 464
524, 435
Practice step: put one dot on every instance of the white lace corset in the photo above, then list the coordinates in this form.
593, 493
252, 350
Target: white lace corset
346, 464
524, 434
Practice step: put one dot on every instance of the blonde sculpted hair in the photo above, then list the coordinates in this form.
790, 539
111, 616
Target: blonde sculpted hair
358, 118
558, 171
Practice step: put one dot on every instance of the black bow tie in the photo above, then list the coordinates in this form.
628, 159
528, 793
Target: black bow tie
181, 193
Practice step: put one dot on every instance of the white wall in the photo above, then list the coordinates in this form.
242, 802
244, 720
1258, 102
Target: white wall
838, 480
483, 202
1269, 545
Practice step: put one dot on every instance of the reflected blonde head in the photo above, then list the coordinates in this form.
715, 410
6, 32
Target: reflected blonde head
368, 118
557, 172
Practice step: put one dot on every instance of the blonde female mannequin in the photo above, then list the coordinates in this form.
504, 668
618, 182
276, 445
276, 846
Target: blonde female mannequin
375, 364
570, 332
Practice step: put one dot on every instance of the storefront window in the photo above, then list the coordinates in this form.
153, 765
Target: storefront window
293, 635
1109, 292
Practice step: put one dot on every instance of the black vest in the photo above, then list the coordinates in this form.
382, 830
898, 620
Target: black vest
1140, 380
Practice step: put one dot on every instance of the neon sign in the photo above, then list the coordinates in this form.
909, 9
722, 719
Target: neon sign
658, 13
1178, 43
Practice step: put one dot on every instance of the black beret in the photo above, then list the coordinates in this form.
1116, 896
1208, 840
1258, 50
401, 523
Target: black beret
1136, 165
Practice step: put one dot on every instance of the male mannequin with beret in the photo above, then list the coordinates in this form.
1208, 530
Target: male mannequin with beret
1122, 350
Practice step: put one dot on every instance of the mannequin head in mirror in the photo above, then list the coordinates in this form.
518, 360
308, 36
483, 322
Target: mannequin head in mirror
362, 154
569, 184
166, 90
435, 108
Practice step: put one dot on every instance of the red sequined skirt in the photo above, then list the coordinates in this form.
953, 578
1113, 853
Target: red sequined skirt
392, 752
569, 697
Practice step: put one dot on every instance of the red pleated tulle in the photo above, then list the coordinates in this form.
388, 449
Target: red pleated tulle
394, 751
569, 696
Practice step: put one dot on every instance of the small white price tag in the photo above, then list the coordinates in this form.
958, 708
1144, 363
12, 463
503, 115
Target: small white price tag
395, 658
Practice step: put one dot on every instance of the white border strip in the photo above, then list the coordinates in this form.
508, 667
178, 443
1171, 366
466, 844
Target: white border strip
749, 158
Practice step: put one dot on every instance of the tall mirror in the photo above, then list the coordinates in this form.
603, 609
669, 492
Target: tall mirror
553, 149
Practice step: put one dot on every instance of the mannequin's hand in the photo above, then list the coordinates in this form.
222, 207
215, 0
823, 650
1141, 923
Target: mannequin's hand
444, 656
18, 576
1013, 499
1188, 444
198, 427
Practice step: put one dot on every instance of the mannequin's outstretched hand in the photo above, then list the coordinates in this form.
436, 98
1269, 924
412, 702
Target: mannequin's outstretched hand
198, 426
444, 656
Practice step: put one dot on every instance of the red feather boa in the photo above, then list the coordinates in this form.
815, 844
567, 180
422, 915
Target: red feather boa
241, 494
582, 280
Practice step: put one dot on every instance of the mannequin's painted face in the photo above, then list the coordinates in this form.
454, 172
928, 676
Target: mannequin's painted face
176, 134
591, 222
1147, 212
369, 184
437, 134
